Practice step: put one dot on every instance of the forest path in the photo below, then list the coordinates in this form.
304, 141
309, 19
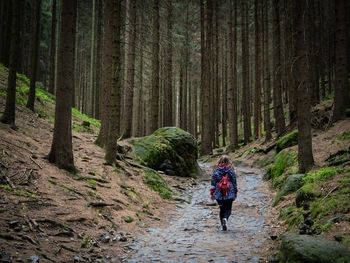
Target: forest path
193, 231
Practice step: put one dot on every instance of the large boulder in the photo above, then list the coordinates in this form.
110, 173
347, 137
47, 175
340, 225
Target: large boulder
312, 249
171, 146
292, 184
286, 141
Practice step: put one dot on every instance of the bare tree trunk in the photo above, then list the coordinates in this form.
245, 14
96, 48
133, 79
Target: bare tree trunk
107, 74
267, 122
245, 75
129, 89
341, 92
154, 105
230, 74
34, 52
98, 71
305, 156
206, 146
277, 93
139, 109
61, 150
111, 147
257, 99
53, 49
168, 91
10, 107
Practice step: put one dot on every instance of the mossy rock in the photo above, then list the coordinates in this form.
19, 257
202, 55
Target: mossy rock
171, 143
292, 184
289, 140
304, 194
312, 249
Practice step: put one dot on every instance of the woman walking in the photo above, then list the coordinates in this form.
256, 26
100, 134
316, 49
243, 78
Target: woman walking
224, 188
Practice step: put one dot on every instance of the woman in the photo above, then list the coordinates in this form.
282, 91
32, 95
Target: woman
224, 188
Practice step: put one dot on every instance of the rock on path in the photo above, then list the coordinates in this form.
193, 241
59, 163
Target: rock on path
193, 233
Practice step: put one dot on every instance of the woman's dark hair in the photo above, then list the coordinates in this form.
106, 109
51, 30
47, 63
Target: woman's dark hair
224, 160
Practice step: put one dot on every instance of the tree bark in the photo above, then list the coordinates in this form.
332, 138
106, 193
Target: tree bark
257, 98
245, 75
267, 121
206, 146
53, 48
230, 74
341, 90
111, 147
129, 89
34, 52
277, 93
305, 156
10, 107
106, 75
168, 90
154, 105
61, 149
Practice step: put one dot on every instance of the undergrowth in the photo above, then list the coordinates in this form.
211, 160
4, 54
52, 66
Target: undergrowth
154, 181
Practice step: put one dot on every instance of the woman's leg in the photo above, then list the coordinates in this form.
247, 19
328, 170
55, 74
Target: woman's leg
227, 207
222, 210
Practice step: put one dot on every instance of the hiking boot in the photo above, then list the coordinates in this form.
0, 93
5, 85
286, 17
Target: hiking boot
224, 224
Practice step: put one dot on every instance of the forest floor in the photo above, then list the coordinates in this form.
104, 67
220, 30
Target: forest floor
104, 214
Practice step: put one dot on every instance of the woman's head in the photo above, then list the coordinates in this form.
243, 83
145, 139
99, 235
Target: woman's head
224, 160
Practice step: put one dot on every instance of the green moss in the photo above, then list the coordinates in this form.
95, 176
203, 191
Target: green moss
84, 117
154, 181
282, 160
289, 140
24, 193
6, 187
345, 136
286, 212
52, 181
306, 193
128, 219
323, 174
86, 243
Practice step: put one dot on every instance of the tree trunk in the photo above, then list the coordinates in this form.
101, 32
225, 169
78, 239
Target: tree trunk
305, 156
140, 112
106, 75
277, 93
53, 49
129, 89
98, 82
61, 149
168, 90
111, 147
34, 52
267, 122
257, 98
245, 75
92, 62
206, 146
292, 92
341, 92
10, 107
154, 104
230, 74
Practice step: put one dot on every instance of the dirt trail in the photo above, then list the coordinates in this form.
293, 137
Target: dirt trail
193, 233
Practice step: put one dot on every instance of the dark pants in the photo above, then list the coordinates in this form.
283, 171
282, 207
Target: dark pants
225, 208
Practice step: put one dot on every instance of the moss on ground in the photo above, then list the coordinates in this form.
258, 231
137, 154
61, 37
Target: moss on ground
154, 181
282, 160
345, 136
289, 140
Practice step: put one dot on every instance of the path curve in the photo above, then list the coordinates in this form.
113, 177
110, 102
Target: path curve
192, 233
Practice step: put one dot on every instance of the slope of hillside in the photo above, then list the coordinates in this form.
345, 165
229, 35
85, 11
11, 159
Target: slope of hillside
48, 213
319, 203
